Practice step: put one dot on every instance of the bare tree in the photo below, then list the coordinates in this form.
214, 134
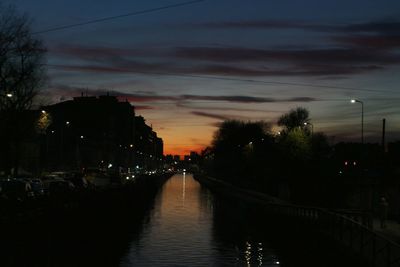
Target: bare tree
21, 61
21, 78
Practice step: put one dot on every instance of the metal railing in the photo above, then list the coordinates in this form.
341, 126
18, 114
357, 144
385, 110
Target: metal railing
375, 248
352, 229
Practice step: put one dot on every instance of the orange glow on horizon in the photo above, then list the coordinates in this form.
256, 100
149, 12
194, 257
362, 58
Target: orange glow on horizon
182, 151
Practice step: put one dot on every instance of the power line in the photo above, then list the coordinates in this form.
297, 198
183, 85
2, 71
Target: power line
118, 16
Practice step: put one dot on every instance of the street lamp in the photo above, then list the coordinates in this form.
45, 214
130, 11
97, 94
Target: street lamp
362, 117
9, 95
312, 127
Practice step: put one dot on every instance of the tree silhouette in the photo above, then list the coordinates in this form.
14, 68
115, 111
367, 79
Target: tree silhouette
21, 61
21, 78
233, 144
295, 118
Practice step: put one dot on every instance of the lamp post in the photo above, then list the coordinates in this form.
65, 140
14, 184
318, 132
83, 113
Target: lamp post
62, 141
362, 117
312, 127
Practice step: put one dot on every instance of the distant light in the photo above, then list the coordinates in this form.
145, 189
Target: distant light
345, 163
9, 95
250, 143
110, 165
81, 136
137, 166
127, 177
43, 111
67, 122
353, 101
52, 131
305, 123
131, 145
354, 163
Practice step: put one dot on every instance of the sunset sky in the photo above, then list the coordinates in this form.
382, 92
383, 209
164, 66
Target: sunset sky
186, 68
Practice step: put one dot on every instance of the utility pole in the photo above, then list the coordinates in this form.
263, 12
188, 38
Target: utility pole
383, 135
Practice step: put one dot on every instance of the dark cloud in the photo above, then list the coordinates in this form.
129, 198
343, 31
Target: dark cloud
347, 51
390, 27
237, 99
140, 97
301, 99
376, 42
211, 115
306, 69
380, 27
247, 99
349, 55
296, 56
99, 53
143, 107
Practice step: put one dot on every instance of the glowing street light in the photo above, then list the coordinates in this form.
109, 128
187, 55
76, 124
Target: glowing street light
362, 117
312, 127
9, 95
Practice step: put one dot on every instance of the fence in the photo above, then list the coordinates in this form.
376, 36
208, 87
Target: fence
376, 249
351, 228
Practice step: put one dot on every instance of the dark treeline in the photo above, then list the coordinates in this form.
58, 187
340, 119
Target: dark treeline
297, 164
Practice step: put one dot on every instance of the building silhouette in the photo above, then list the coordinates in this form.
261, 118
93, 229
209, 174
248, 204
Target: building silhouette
97, 132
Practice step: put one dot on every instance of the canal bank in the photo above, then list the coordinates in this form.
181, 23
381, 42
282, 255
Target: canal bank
95, 231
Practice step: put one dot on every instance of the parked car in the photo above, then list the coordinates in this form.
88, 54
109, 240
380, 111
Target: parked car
16, 189
79, 181
47, 179
37, 187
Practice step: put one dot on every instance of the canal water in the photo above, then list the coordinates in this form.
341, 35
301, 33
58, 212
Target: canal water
180, 224
191, 226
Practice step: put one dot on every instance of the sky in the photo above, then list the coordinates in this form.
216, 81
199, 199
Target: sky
188, 67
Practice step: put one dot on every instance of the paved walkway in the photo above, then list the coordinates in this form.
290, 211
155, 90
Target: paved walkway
392, 230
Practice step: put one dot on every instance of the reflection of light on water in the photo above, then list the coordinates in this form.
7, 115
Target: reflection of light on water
183, 187
254, 255
247, 253
260, 254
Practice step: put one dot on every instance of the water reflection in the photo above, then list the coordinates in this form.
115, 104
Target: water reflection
184, 231
191, 226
